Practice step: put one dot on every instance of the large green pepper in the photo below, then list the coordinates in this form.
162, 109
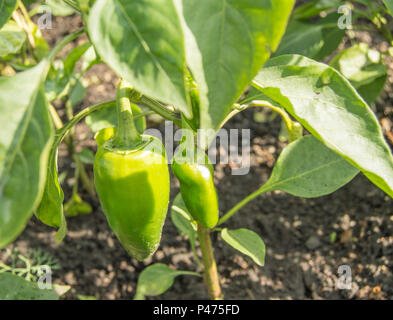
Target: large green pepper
132, 181
195, 174
133, 187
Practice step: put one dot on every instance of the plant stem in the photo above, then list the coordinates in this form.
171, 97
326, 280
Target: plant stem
86, 181
261, 104
22, 7
157, 107
55, 117
197, 260
210, 276
70, 140
61, 133
241, 204
288, 121
59, 46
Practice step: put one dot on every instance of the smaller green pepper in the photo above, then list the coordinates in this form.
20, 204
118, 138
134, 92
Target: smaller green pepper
196, 174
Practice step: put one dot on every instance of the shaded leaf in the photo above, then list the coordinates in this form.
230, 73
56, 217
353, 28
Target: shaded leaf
307, 168
13, 287
332, 35
26, 135
247, 242
314, 8
301, 38
156, 279
315, 40
50, 209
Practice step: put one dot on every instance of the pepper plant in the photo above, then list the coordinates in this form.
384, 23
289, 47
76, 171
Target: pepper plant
196, 63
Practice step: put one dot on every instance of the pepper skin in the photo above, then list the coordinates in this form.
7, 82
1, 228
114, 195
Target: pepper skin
197, 188
133, 187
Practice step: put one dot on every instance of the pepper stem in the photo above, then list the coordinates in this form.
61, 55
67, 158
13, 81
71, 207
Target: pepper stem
126, 134
187, 140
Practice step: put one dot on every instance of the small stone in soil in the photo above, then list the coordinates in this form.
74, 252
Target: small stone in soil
313, 242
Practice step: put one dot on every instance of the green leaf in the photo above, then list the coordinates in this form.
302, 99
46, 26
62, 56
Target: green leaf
89, 59
12, 38
301, 38
314, 8
107, 117
74, 56
332, 35
13, 287
83, 297
6, 9
328, 106
307, 168
56, 82
26, 135
389, 5
77, 207
372, 91
156, 279
227, 43
86, 156
364, 68
247, 242
58, 86
143, 42
76, 92
182, 219
315, 40
62, 81
50, 209
41, 48
59, 8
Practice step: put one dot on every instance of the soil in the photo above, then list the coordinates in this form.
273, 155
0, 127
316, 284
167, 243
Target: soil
307, 240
